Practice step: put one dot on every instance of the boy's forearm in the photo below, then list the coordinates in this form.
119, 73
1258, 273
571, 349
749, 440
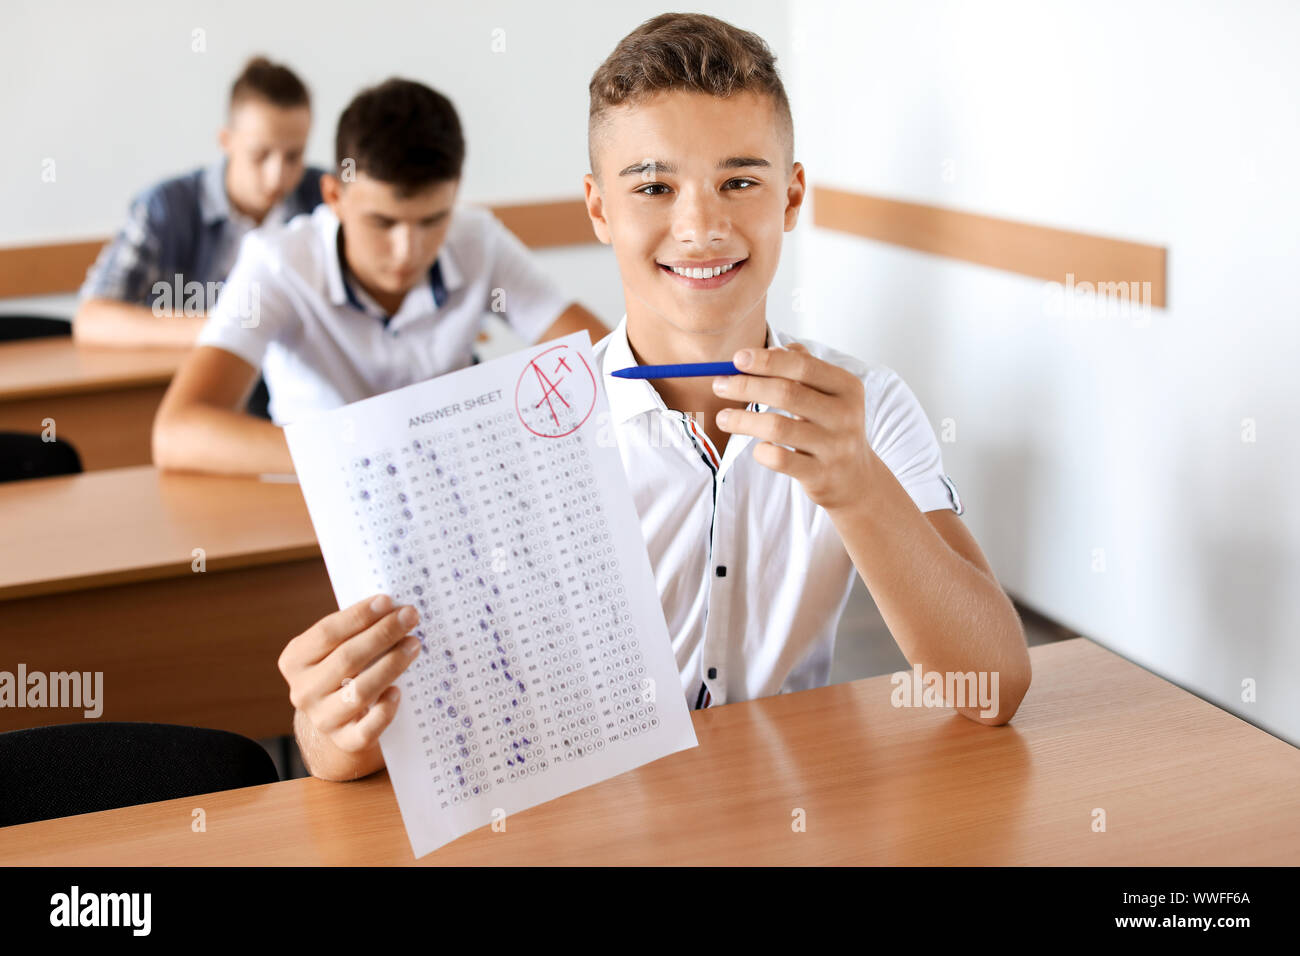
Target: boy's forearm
107, 322
220, 441
326, 761
945, 613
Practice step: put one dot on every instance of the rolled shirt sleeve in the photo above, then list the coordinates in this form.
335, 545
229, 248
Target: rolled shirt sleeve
532, 299
901, 435
130, 265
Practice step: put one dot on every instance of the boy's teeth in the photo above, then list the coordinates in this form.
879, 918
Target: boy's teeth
702, 273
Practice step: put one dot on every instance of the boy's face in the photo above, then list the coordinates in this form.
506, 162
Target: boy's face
390, 240
264, 146
695, 181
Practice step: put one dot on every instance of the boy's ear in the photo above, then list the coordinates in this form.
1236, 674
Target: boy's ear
794, 196
596, 209
331, 189
223, 139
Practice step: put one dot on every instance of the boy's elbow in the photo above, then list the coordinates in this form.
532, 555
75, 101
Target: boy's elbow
87, 324
166, 440
1011, 691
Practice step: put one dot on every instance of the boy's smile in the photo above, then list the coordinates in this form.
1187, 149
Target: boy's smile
706, 274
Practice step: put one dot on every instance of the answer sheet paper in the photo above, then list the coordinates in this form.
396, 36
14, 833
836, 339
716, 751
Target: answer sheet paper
493, 499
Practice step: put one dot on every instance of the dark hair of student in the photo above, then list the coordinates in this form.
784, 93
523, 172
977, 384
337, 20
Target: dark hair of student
686, 51
271, 82
402, 133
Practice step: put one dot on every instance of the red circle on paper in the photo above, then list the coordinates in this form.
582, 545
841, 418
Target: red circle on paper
550, 413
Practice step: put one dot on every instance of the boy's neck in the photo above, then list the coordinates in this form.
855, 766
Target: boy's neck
654, 342
390, 302
239, 205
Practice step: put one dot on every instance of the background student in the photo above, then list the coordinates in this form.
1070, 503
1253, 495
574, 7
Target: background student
386, 284
188, 229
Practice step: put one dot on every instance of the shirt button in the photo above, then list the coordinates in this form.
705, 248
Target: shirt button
713, 672
720, 570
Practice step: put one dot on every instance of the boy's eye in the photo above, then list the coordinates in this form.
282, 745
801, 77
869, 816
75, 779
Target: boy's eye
740, 185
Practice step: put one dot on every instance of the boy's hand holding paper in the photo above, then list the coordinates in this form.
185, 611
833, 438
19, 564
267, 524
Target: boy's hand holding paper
484, 499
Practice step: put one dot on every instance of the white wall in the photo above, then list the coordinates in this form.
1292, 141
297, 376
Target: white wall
118, 98
1172, 124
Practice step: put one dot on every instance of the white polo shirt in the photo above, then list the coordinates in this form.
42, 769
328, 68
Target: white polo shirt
752, 575
322, 343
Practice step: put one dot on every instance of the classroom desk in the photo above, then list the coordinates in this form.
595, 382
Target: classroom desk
1182, 782
97, 574
102, 400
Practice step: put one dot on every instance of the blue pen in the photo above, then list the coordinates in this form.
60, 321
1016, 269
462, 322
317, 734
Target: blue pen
677, 371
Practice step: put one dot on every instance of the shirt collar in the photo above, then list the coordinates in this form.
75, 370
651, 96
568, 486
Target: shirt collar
630, 397
214, 205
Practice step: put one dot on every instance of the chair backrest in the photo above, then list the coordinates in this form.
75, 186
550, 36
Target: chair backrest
65, 769
16, 327
25, 456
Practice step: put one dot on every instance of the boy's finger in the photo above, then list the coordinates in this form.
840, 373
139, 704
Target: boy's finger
349, 700
799, 365
365, 732
314, 682
793, 397
333, 629
357, 653
370, 683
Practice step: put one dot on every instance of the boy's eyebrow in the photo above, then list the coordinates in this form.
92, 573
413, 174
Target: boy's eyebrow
658, 166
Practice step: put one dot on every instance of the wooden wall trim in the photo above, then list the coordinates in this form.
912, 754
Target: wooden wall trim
1022, 248
57, 268
543, 225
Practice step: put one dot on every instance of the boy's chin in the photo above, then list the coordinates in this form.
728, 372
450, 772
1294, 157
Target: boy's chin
700, 321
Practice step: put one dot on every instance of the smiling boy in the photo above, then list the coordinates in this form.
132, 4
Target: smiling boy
790, 480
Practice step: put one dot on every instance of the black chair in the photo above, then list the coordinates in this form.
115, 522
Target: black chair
16, 327
66, 769
259, 402
25, 456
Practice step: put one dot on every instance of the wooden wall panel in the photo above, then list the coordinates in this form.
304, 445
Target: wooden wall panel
1038, 251
57, 268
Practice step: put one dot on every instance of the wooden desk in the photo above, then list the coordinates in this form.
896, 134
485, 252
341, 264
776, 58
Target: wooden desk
96, 574
102, 400
1181, 781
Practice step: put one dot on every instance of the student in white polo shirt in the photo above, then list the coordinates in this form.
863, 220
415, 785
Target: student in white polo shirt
386, 283
761, 496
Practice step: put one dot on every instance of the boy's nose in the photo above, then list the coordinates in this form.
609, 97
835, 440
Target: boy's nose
699, 219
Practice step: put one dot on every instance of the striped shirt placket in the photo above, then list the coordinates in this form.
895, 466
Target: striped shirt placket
709, 455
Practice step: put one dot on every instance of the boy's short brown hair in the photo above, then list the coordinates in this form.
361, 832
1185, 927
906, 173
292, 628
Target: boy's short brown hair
271, 82
402, 133
686, 51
